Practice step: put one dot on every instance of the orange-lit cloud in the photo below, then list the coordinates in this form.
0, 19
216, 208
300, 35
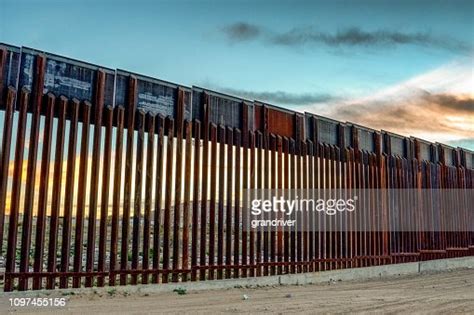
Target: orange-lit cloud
436, 106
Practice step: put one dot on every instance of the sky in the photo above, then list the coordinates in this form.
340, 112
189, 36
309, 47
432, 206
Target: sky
403, 66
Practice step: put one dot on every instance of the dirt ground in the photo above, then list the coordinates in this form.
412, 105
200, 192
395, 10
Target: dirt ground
447, 292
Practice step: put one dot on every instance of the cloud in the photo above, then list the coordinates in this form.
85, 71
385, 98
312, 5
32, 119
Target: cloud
349, 37
356, 37
241, 31
451, 102
280, 97
435, 117
399, 106
421, 111
436, 106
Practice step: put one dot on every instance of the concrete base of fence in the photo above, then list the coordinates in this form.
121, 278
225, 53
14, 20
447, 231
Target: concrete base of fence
355, 274
446, 264
351, 274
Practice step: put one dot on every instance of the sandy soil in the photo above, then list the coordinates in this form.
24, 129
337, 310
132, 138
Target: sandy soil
448, 292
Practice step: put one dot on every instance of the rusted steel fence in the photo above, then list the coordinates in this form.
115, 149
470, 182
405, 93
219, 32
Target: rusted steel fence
109, 178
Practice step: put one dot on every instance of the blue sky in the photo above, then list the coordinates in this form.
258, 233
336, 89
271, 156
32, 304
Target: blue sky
313, 52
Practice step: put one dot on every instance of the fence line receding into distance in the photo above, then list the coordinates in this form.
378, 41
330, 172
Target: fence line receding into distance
109, 177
